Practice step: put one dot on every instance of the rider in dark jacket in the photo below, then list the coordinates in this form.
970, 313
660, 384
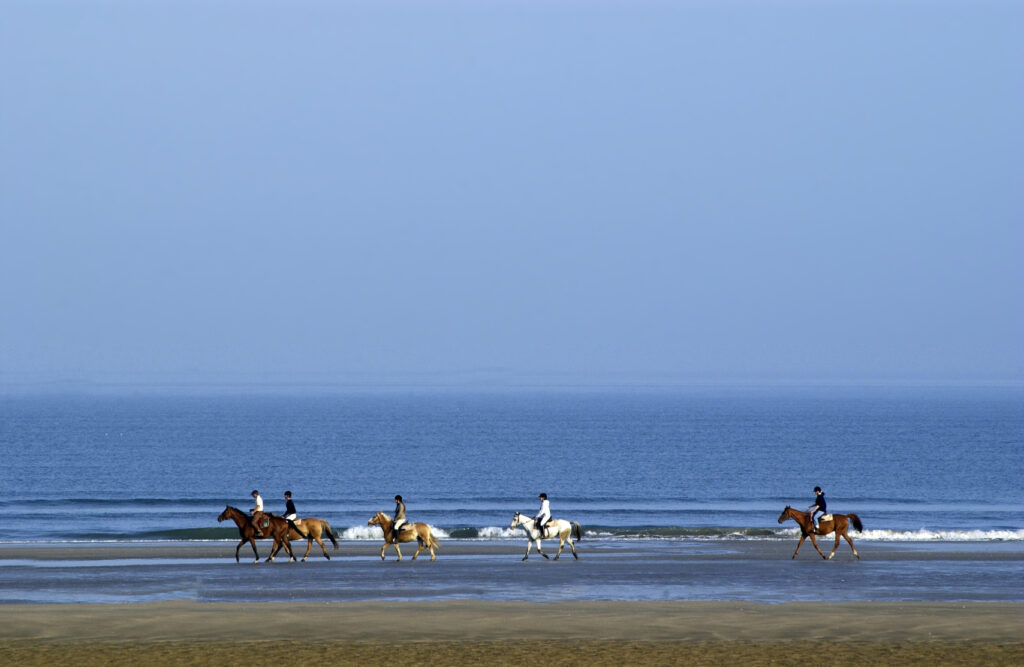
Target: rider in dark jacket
818, 507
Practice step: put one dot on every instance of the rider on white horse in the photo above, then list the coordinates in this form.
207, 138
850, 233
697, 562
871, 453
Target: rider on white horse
543, 516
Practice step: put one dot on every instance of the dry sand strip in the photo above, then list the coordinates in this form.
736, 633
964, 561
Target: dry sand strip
481, 621
512, 633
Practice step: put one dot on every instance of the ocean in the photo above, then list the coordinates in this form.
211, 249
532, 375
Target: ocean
916, 464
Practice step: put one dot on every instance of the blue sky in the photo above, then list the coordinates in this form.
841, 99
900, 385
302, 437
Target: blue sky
511, 193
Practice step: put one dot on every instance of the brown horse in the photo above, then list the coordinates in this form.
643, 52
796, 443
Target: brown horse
314, 529
277, 529
840, 523
420, 532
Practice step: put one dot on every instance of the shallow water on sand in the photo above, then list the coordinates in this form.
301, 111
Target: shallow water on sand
607, 570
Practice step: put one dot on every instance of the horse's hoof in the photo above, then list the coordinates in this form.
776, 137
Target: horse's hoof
555, 558
576, 556
546, 556
327, 557
525, 557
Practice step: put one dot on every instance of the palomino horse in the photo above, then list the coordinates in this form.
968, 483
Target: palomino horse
420, 532
840, 523
314, 529
559, 528
277, 530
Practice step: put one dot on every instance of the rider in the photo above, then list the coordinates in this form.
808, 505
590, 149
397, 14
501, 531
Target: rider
289, 512
540, 521
289, 507
818, 506
256, 513
399, 521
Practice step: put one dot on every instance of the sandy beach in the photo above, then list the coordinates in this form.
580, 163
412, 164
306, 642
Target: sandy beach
474, 630
465, 632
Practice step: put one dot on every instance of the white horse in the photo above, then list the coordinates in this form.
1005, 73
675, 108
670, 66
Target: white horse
559, 528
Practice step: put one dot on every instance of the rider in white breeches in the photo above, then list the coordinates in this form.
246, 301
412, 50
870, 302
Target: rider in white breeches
544, 515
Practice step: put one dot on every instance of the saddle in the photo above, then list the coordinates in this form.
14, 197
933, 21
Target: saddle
824, 517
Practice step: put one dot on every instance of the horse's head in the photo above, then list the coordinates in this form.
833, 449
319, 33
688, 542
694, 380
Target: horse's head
517, 520
226, 514
377, 519
785, 514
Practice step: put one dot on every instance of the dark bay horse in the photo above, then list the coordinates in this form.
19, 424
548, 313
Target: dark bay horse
276, 530
840, 523
420, 532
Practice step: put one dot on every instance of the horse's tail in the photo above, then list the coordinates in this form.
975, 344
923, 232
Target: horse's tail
577, 531
855, 520
330, 532
291, 524
434, 542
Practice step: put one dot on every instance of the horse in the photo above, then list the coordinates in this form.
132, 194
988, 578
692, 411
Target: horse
277, 529
559, 528
314, 529
420, 532
840, 523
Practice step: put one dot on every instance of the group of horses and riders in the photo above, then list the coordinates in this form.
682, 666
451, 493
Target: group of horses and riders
258, 524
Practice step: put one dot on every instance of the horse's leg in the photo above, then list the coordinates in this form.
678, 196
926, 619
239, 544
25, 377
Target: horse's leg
382, 550
799, 544
540, 544
399, 551
561, 545
815, 543
288, 548
322, 548
573, 547
834, 548
847, 538
529, 545
243, 541
309, 546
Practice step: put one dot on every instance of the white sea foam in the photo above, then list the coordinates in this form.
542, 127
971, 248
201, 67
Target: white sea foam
375, 533
497, 532
925, 535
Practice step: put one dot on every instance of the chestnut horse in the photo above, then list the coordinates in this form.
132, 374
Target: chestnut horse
420, 532
277, 530
840, 523
556, 528
314, 528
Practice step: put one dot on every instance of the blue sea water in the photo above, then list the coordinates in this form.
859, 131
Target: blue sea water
916, 464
